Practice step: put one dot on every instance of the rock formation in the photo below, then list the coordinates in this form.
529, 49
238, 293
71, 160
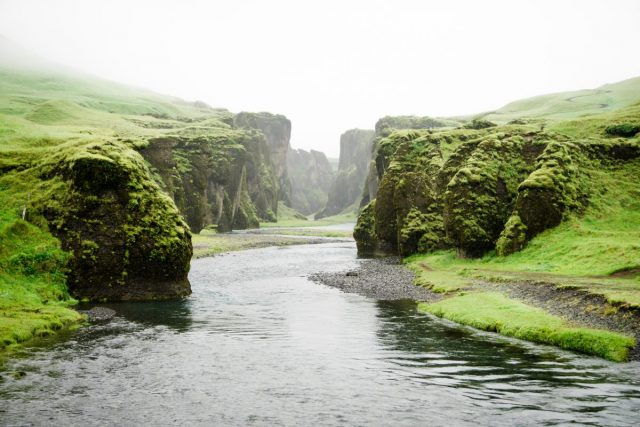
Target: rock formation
277, 131
125, 237
311, 178
478, 190
379, 158
355, 152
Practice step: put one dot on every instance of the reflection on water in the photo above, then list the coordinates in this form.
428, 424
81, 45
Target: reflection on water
259, 344
521, 383
174, 314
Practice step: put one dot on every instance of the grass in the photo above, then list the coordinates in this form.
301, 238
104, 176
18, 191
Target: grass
297, 223
439, 281
494, 312
569, 105
311, 232
209, 243
34, 301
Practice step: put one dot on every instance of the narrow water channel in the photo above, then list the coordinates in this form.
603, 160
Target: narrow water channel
260, 344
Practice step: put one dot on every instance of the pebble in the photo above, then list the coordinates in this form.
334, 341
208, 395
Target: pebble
379, 278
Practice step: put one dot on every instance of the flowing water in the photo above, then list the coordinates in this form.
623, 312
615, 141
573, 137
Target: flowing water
259, 344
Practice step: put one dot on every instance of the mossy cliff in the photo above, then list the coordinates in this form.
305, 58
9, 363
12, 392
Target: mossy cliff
311, 178
221, 177
355, 151
476, 190
277, 131
383, 148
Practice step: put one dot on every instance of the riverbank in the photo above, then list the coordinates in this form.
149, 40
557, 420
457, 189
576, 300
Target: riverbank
34, 301
210, 243
541, 312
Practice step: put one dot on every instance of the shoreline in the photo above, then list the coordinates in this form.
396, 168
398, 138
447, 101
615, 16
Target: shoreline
590, 321
207, 245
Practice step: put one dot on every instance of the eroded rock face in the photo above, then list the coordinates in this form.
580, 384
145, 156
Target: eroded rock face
475, 190
355, 152
379, 157
126, 238
207, 178
311, 178
277, 131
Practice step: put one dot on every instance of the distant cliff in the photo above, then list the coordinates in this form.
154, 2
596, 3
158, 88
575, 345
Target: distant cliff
355, 152
277, 131
311, 179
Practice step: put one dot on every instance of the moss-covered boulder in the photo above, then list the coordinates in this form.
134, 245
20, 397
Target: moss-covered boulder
546, 195
126, 238
365, 232
479, 198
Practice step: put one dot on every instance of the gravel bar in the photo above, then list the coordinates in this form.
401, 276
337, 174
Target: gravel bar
379, 278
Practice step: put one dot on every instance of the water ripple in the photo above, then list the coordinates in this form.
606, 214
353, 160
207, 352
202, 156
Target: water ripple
259, 344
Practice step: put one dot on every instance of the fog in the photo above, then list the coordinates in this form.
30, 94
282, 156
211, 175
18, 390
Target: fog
334, 65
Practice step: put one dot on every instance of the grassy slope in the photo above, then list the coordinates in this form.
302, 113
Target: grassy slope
33, 296
567, 105
290, 218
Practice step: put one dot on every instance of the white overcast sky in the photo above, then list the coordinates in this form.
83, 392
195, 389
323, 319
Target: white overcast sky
334, 65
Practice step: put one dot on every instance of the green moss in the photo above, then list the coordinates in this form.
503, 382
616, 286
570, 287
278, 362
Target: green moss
496, 313
480, 196
365, 230
626, 130
513, 237
479, 124
439, 281
34, 300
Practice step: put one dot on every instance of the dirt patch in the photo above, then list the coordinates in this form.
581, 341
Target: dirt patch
626, 273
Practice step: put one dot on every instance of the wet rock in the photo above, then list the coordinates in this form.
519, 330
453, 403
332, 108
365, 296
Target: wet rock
99, 314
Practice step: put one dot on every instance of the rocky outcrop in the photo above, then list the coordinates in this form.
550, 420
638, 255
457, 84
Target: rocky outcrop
311, 178
125, 237
379, 157
277, 131
355, 152
219, 176
475, 190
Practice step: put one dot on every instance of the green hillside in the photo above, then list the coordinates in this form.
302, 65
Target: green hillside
568, 105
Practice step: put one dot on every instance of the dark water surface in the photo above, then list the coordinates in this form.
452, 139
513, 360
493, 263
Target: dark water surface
259, 344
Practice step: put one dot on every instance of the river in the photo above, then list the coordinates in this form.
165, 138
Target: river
259, 344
